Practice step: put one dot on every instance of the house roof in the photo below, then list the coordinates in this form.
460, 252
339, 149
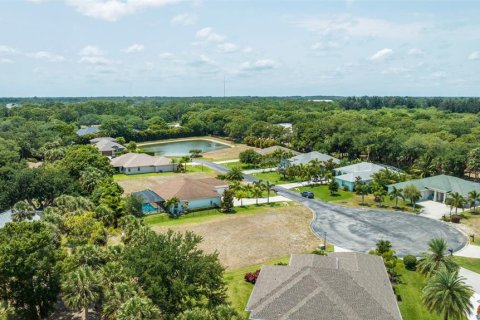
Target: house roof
442, 183
364, 170
148, 196
337, 286
272, 149
130, 160
305, 158
95, 140
88, 130
106, 145
189, 189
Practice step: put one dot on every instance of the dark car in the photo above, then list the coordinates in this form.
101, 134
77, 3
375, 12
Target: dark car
307, 194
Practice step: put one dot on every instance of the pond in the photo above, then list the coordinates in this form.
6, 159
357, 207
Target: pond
182, 148
7, 217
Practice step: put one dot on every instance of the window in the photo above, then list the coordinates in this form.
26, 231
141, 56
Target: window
138, 169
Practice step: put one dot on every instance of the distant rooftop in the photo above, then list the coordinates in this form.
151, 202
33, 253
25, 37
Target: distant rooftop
364, 170
88, 130
305, 158
132, 160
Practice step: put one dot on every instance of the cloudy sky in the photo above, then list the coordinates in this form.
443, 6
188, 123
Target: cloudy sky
188, 48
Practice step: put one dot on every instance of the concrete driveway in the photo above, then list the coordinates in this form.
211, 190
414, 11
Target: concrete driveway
434, 210
359, 229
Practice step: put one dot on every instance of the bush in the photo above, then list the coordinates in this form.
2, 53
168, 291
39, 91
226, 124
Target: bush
319, 252
252, 276
410, 262
456, 218
345, 188
281, 264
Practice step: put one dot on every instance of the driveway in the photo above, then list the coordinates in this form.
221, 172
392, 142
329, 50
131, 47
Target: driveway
359, 229
434, 210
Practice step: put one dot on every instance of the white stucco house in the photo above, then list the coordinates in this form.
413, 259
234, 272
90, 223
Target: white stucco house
135, 163
346, 176
193, 194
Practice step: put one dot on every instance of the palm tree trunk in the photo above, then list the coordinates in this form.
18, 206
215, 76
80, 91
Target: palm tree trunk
85, 313
396, 202
268, 196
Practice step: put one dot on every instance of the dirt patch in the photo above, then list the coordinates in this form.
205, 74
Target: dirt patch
227, 153
245, 240
138, 184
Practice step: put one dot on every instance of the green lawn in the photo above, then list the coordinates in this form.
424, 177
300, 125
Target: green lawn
190, 169
243, 166
469, 263
410, 291
200, 216
321, 192
274, 177
238, 290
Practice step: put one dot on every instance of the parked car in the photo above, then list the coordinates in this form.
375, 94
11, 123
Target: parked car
307, 194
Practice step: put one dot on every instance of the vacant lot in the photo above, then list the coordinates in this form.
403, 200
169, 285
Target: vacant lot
227, 153
141, 182
250, 239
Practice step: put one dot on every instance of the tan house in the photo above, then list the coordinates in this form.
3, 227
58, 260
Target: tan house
135, 163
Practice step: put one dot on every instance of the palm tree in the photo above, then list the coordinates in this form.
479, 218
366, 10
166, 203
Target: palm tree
267, 186
81, 289
473, 198
240, 194
184, 160
137, 308
257, 190
234, 174
248, 189
424, 167
116, 297
411, 192
457, 201
446, 293
395, 194
171, 204
436, 258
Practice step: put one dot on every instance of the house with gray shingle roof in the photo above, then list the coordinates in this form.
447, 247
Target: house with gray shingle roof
346, 176
88, 130
107, 146
135, 163
436, 188
340, 286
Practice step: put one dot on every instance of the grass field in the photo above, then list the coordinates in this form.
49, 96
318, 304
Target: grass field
274, 177
471, 264
322, 193
472, 221
410, 291
205, 215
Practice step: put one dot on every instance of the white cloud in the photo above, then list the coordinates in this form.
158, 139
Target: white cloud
381, 54
415, 52
228, 47
7, 61
166, 55
48, 56
91, 51
184, 19
474, 55
439, 75
258, 65
329, 45
135, 48
4, 50
97, 60
113, 10
207, 34
360, 26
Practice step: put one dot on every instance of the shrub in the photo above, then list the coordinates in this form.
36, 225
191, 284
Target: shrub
319, 252
251, 277
345, 188
456, 218
410, 262
281, 264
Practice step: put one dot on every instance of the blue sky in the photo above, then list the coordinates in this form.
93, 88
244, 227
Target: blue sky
187, 48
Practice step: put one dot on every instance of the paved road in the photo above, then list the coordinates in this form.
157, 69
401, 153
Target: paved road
358, 229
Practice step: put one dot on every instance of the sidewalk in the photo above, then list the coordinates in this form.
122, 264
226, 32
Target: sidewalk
295, 185
226, 161
259, 170
469, 251
250, 201
473, 280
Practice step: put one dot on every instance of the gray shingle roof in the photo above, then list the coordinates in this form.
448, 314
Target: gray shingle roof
337, 286
106, 145
441, 183
364, 170
305, 158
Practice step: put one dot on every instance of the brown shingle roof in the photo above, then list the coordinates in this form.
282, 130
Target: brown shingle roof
337, 286
130, 160
189, 189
